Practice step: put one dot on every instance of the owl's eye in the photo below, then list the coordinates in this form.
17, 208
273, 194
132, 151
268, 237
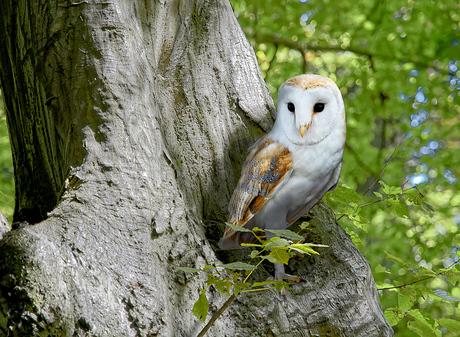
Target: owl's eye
318, 107
291, 107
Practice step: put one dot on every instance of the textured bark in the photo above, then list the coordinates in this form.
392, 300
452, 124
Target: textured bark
129, 121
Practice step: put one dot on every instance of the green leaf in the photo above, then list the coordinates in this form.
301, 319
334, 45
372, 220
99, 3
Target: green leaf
237, 289
305, 248
390, 190
237, 228
381, 269
450, 324
413, 196
397, 260
385, 285
189, 270
420, 325
286, 233
254, 254
426, 272
223, 287
359, 221
304, 225
250, 245
346, 195
392, 317
377, 194
399, 208
200, 308
282, 284
270, 258
452, 277
278, 255
418, 316
406, 298
277, 242
421, 328
238, 266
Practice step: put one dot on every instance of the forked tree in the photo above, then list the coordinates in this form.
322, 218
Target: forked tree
129, 121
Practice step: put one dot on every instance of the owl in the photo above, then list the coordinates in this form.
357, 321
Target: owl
289, 170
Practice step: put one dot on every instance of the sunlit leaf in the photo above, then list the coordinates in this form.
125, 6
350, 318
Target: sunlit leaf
450, 324
305, 248
399, 207
392, 317
201, 306
406, 299
277, 243
253, 254
250, 245
380, 269
345, 194
380, 196
423, 329
304, 225
397, 260
279, 256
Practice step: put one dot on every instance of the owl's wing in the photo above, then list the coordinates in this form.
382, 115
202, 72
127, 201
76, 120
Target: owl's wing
330, 186
265, 170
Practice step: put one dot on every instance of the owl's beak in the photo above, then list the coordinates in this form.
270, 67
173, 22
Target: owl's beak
303, 128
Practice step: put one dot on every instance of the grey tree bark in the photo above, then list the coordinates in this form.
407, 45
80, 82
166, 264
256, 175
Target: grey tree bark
129, 121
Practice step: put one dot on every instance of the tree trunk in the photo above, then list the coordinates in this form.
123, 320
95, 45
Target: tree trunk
129, 121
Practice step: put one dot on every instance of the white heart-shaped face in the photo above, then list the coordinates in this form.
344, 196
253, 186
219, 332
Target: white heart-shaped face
309, 107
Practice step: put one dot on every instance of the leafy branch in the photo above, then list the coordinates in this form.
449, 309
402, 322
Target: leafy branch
408, 294
303, 47
228, 278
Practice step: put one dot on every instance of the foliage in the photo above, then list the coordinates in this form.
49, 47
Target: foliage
397, 65
6, 167
234, 278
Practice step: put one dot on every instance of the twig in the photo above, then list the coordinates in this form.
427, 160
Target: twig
408, 284
383, 169
420, 280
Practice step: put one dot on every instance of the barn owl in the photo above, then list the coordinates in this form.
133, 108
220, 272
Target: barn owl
289, 170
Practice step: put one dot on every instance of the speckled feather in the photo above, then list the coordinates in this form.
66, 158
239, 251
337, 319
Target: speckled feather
265, 170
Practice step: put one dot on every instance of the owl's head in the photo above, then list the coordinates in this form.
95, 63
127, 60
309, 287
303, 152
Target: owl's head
309, 108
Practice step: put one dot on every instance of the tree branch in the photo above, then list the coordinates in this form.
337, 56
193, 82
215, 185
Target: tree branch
303, 47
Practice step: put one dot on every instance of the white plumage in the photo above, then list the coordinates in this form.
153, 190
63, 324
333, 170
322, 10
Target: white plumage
290, 169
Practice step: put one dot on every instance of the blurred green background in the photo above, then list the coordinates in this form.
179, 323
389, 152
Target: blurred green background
396, 63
